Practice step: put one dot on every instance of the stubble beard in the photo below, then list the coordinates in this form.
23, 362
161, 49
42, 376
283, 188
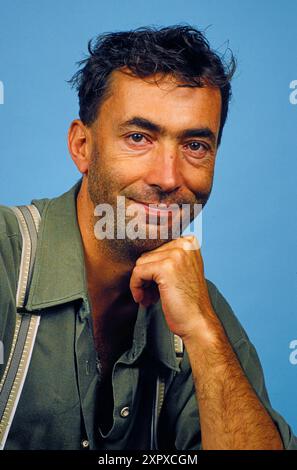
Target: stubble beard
102, 189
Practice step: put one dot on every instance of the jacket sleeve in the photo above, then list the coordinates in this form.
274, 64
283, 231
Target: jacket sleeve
182, 429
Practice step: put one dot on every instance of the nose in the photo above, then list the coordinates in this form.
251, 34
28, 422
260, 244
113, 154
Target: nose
164, 171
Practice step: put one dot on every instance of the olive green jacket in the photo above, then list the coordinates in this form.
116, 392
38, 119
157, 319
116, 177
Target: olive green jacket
58, 408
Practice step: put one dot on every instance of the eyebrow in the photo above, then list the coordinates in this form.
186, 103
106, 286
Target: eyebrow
143, 123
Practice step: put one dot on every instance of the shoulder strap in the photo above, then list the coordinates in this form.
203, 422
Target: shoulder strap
160, 394
26, 324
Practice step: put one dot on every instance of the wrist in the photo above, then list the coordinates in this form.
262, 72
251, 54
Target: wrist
206, 333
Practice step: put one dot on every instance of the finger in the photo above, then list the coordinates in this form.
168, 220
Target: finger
142, 276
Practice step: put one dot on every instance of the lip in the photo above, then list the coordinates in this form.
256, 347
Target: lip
156, 211
148, 206
157, 216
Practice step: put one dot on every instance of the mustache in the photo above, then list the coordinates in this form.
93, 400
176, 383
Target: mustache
163, 198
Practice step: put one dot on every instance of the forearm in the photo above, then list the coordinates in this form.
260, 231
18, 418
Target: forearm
231, 415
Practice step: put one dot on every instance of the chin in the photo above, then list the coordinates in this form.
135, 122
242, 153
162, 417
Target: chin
132, 249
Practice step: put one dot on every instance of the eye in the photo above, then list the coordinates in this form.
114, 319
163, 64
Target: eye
197, 148
136, 137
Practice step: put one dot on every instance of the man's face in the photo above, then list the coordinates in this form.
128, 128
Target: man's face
153, 143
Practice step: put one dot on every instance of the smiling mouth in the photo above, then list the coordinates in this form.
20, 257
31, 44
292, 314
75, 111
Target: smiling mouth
158, 213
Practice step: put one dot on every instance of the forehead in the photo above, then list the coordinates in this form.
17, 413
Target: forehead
161, 99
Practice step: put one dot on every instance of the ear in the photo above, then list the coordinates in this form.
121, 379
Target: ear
79, 145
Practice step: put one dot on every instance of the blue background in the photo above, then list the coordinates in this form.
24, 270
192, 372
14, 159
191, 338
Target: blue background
249, 224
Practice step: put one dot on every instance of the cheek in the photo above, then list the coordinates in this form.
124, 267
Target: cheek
199, 179
126, 170
122, 174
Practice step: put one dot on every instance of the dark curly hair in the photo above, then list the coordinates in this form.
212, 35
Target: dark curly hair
180, 50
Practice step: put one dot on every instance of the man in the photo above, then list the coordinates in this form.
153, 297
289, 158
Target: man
153, 103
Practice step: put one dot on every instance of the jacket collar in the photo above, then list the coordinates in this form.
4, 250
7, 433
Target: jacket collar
59, 274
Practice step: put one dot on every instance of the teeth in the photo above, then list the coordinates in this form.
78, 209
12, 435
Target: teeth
160, 207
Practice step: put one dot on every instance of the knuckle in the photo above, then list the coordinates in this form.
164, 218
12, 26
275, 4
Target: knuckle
178, 253
190, 242
136, 270
168, 264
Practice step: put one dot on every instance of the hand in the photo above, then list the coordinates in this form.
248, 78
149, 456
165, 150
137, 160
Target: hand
174, 273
